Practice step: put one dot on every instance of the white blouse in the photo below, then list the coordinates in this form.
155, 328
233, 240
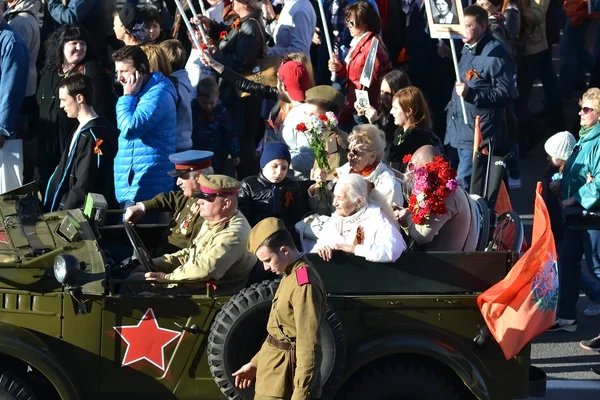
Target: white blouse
381, 241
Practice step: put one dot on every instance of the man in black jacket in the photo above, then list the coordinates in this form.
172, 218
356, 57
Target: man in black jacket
87, 164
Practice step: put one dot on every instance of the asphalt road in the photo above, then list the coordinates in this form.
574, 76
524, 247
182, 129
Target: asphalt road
558, 353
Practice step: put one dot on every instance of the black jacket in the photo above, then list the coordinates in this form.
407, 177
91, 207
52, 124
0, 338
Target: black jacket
246, 85
89, 168
240, 50
410, 141
259, 199
53, 127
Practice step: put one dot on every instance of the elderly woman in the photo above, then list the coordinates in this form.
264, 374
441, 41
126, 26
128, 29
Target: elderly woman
579, 191
366, 150
359, 226
451, 228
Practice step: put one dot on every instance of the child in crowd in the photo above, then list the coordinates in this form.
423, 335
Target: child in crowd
212, 126
270, 193
152, 25
176, 57
558, 147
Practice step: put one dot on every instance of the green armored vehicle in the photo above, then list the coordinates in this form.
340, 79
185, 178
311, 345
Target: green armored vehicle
402, 330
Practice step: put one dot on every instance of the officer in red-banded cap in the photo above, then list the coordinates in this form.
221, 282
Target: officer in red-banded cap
186, 222
218, 252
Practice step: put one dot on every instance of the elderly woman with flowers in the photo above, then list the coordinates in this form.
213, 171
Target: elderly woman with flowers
359, 225
366, 150
440, 215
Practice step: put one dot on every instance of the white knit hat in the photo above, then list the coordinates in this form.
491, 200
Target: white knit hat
560, 145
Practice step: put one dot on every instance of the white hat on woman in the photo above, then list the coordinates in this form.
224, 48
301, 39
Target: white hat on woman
560, 145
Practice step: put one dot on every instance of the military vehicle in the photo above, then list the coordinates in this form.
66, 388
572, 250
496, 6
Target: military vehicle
402, 330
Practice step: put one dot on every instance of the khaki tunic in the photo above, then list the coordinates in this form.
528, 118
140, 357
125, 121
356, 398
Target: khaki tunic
185, 224
218, 253
296, 314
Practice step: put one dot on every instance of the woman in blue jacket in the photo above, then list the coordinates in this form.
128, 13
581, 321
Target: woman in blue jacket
147, 119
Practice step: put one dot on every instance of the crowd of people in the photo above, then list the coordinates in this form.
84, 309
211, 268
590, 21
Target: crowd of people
376, 138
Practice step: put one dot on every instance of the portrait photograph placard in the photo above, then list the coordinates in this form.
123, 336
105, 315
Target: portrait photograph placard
445, 18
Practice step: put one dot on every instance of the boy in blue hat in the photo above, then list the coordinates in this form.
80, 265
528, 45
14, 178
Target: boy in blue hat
186, 222
271, 193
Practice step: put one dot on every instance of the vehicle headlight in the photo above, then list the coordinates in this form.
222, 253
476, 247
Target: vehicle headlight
66, 268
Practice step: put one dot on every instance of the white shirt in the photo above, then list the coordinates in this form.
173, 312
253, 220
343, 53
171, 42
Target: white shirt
447, 19
355, 41
303, 157
76, 134
382, 241
293, 30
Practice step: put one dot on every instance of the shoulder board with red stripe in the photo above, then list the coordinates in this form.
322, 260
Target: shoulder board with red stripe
302, 276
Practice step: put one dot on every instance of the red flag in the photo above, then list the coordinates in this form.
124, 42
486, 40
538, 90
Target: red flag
523, 305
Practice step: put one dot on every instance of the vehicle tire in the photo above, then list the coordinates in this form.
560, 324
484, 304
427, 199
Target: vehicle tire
13, 388
239, 330
399, 381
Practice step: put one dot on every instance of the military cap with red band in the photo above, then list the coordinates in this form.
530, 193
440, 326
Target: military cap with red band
217, 185
190, 160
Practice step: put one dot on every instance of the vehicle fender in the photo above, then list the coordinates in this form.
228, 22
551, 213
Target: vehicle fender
417, 343
23, 345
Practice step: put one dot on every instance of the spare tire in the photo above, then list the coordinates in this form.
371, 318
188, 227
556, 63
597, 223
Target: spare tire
239, 330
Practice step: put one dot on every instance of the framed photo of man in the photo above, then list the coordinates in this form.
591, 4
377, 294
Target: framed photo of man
445, 18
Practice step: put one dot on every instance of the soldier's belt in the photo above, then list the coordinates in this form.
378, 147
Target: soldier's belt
280, 344
286, 346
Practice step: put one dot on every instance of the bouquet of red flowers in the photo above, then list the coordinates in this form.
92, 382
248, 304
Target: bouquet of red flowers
433, 183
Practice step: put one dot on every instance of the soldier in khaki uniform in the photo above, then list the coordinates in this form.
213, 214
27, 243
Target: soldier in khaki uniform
218, 253
186, 222
287, 365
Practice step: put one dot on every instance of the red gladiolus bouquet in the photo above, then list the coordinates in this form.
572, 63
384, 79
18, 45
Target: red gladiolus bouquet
433, 183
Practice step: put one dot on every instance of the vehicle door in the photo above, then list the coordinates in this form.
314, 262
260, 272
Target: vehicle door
148, 339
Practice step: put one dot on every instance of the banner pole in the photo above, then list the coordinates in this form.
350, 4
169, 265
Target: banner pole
326, 33
455, 62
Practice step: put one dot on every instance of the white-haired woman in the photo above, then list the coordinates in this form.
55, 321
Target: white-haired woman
366, 151
359, 226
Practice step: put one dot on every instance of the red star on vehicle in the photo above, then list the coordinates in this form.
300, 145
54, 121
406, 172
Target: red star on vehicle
146, 341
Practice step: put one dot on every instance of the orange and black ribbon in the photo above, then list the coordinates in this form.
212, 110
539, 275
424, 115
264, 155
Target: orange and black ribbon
97, 147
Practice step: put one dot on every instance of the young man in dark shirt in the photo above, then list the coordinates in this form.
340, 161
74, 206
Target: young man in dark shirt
87, 164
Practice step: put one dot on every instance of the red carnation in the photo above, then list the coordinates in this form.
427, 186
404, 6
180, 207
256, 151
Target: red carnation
406, 159
223, 35
323, 118
301, 127
203, 46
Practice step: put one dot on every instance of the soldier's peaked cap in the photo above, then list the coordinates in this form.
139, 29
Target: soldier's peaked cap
326, 93
190, 160
262, 231
220, 185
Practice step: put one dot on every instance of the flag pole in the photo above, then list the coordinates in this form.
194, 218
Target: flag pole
188, 25
455, 62
326, 33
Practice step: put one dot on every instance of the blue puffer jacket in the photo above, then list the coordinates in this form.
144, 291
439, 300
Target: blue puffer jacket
148, 125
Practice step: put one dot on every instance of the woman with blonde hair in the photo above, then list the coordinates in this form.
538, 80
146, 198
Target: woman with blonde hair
579, 194
411, 115
158, 59
366, 151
